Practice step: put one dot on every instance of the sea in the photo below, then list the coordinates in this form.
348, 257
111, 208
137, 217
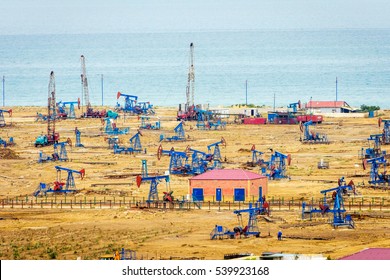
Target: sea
260, 67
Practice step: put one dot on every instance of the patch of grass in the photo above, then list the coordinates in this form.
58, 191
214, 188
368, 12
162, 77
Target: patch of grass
16, 254
51, 253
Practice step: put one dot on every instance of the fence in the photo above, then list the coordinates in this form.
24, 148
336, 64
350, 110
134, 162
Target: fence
278, 204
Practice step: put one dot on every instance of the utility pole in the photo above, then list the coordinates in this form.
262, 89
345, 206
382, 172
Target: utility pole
274, 102
3, 91
335, 105
102, 88
246, 92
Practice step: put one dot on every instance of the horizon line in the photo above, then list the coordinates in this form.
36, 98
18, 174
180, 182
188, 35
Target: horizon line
202, 31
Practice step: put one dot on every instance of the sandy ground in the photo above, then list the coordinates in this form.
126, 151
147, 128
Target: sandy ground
155, 234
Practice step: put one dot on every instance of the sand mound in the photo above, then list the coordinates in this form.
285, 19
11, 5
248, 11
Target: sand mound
8, 154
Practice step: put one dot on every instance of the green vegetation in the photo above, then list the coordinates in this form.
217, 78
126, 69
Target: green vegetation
367, 108
51, 253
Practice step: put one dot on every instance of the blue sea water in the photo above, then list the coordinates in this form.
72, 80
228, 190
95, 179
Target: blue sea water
290, 64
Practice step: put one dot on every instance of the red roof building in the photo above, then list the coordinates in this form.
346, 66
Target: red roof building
370, 254
228, 184
326, 104
329, 106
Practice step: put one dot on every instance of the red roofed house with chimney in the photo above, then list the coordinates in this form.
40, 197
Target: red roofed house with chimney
228, 184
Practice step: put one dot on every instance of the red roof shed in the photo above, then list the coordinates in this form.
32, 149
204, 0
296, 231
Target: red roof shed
229, 182
370, 254
326, 104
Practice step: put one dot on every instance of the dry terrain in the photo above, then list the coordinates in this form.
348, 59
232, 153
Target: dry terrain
88, 233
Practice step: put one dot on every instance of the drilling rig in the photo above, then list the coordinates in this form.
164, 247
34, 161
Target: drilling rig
189, 110
90, 113
51, 137
190, 90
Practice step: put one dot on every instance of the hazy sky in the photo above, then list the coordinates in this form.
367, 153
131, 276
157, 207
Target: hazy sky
108, 16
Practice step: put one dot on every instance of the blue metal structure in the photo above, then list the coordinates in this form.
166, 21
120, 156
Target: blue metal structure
121, 149
62, 155
111, 129
112, 114
219, 124
203, 117
78, 140
278, 166
310, 136
179, 134
161, 152
178, 164
154, 181
374, 151
144, 172
61, 111
257, 157
2, 111
41, 117
145, 124
295, 106
130, 104
65, 112
45, 158
377, 178
59, 153
339, 216
207, 120
217, 158
250, 229
386, 131
60, 187
135, 142
70, 185
199, 161
112, 141
10, 142
3, 143
146, 108
135, 145
41, 190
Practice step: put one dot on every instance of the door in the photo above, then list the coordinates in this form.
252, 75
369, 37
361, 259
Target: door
218, 194
260, 193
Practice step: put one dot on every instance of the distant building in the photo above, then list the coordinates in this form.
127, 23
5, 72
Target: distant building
228, 184
290, 257
329, 107
275, 256
370, 254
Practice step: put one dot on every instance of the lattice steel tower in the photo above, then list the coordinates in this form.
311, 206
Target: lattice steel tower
190, 91
51, 107
84, 83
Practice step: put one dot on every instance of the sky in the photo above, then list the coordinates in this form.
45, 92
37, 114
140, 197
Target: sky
124, 16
